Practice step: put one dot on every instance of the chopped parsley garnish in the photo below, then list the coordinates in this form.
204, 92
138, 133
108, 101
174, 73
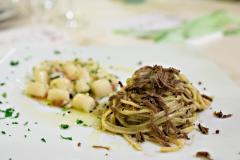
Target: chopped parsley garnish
17, 115
3, 132
65, 109
25, 136
14, 122
139, 63
57, 52
2, 84
14, 63
49, 103
76, 60
93, 71
134, 1
4, 95
64, 126
8, 112
66, 138
55, 77
79, 121
26, 123
43, 140
29, 130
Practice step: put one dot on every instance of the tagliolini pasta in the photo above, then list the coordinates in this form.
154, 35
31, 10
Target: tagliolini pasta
73, 83
158, 105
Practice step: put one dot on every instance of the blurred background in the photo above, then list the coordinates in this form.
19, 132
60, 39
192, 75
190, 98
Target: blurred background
210, 26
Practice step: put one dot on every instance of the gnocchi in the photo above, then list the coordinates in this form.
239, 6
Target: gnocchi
62, 83
58, 97
101, 88
81, 86
73, 83
71, 71
83, 102
40, 76
37, 89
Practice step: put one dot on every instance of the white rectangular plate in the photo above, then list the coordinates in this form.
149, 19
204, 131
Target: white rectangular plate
124, 61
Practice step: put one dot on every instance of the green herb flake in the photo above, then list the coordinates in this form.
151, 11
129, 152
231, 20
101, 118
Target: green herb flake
85, 125
29, 130
3, 132
49, 103
9, 112
2, 84
95, 71
65, 109
43, 140
66, 138
25, 136
14, 63
26, 123
64, 126
55, 77
4, 95
17, 115
79, 121
76, 60
14, 122
134, 1
57, 52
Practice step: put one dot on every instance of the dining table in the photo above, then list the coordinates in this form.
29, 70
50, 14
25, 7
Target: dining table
98, 17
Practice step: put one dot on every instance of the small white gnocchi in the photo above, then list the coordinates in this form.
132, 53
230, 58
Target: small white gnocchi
58, 97
37, 89
62, 83
72, 83
81, 86
83, 102
71, 71
40, 76
84, 75
101, 88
